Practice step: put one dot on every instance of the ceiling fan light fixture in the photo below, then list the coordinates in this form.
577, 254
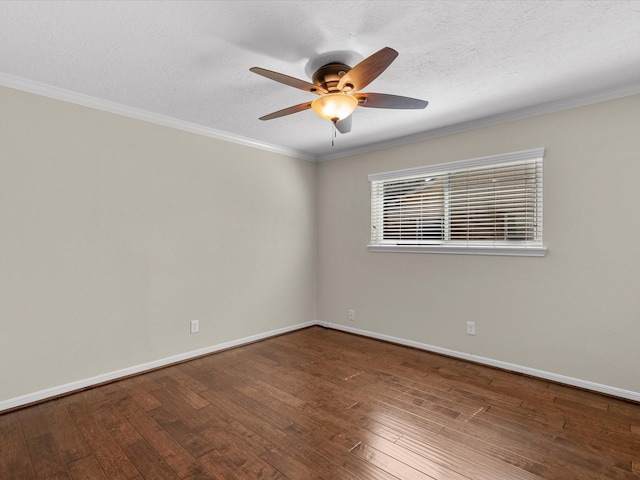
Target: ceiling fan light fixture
337, 86
334, 106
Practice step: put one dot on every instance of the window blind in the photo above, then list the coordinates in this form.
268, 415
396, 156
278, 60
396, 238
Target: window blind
489, 202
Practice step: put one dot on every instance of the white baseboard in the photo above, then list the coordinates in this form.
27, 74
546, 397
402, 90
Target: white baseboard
575, 382
145, 367
115, 375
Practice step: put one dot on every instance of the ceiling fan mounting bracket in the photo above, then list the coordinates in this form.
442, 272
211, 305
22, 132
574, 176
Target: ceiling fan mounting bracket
329, 75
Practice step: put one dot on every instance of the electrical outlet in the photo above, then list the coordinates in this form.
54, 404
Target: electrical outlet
194, 326
471, 328
352, 315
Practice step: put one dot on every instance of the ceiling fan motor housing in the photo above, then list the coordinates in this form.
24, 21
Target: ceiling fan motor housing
329, 75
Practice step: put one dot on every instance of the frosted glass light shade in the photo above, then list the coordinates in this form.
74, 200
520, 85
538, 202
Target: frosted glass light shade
334, 106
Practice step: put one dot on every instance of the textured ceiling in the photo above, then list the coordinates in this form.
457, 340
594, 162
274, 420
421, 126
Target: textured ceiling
189, 61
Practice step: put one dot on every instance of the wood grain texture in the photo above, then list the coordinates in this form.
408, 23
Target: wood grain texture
321, 404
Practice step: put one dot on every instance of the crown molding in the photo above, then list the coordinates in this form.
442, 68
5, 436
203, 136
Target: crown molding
58, 93
520, 114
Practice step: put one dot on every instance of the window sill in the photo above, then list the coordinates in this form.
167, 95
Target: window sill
515, 251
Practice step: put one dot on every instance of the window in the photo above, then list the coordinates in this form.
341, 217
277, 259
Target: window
490, 205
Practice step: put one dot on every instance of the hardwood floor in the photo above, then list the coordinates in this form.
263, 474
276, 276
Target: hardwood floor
322, 404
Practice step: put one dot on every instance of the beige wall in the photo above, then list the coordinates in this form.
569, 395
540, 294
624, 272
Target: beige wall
114, 233
575, 312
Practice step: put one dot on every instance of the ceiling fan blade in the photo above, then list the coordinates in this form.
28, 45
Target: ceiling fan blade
382, 100
368, 70
287, 80
287, 111
344, 125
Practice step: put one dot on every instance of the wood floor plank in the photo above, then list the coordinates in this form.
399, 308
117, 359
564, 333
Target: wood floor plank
394, 466
463, 460
442, 457
15, 462
275, 439
220, 420
71, 444
86, 468
44, 453
159, 439
496, 451
148, 462
223, 468
324, 404
555, 453
290, 467
311, 442
47, 462
194, 443
142, 397
113, 461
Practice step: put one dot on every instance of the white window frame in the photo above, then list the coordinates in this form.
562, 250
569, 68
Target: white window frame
530, 248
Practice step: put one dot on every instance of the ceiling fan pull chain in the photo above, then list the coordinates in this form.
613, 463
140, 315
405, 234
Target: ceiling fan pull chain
333, 128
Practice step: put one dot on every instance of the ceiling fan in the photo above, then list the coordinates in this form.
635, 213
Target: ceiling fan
337, 85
